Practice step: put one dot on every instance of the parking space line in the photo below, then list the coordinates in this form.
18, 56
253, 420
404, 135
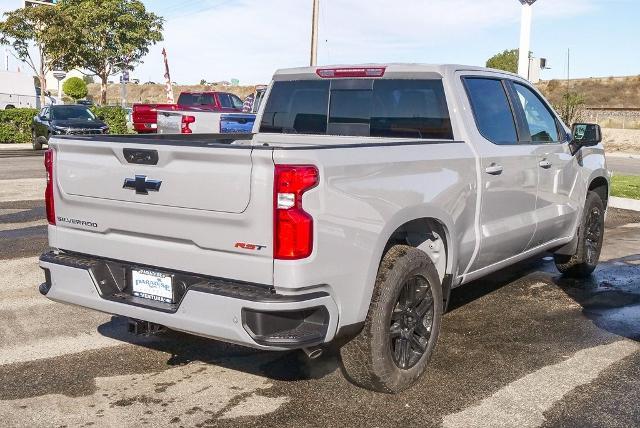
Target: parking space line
18, 226
56, 347
523, 403
9, 211
25, 189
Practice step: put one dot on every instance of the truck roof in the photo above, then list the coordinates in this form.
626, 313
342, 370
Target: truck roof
396, 70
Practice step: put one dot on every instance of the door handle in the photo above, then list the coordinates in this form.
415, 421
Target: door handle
545, 164
494, 169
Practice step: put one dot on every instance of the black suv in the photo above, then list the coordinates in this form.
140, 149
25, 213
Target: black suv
64, 120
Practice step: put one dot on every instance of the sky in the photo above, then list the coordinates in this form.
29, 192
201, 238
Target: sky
249, 39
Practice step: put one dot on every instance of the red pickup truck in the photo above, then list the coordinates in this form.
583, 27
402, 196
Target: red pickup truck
145, 116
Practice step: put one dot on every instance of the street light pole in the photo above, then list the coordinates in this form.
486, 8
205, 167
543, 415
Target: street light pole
314, 33
525, 37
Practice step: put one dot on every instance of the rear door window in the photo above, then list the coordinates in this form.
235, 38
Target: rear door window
491, 109
388, 108
236, 102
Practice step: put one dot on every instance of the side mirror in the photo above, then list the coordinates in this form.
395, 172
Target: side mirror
586, 134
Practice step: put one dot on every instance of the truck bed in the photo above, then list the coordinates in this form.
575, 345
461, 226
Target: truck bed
191, 140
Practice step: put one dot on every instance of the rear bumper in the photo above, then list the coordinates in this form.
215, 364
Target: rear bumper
235, 312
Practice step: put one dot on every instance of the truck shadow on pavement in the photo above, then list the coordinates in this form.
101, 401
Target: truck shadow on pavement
610, 298
184, 348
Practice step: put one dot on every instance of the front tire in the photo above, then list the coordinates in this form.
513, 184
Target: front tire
590, 237
402, 325
35, 142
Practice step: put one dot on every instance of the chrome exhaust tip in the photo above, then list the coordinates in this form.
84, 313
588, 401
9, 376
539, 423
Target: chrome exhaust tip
314, 352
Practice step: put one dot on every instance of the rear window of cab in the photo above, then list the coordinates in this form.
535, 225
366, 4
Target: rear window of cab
391, 108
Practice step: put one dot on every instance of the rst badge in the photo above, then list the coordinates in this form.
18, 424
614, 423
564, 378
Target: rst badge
252, 247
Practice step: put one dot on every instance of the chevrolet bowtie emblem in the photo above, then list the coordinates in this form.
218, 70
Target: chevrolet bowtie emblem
142, 185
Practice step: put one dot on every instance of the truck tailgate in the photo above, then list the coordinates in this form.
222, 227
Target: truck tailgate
237, 123
203, 179
186, 212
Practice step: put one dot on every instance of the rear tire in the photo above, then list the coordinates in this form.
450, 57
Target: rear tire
402, 325
35, 142
590, 237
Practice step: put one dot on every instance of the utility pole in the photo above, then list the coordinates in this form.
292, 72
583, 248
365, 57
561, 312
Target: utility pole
525, 37
314, 33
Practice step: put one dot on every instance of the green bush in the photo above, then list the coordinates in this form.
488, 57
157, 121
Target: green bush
75, 88
115, 117
15, 125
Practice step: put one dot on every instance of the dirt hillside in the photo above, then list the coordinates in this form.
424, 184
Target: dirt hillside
597, 92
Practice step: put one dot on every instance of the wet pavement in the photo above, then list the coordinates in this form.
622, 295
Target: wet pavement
523, 347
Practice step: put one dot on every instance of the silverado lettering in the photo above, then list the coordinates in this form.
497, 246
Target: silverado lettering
77, 222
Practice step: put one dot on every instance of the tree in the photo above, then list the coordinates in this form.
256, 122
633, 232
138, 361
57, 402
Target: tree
88, 79
203, 82
75, 88
506, 60
108, 36
31, 33
571, 108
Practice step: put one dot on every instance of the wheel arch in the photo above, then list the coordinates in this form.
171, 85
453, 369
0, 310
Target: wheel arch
416, 227
600, 185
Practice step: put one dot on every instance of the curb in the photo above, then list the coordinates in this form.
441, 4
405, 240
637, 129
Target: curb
622, 155
14, 146
624, 203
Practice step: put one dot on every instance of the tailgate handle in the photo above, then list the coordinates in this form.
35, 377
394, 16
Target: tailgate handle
141, 156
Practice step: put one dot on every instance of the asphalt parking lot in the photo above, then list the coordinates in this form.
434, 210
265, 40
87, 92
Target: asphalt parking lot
523, 347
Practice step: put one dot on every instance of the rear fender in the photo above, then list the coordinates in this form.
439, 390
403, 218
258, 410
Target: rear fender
402, 217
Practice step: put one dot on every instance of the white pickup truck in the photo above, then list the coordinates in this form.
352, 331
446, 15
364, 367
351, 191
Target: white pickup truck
365, 195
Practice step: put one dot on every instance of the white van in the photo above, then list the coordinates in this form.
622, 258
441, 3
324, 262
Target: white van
17, 90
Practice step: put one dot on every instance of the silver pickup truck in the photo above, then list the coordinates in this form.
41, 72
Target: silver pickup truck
365, 194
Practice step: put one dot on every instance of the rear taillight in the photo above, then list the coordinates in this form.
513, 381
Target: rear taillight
186, 121
292, 226
48, 193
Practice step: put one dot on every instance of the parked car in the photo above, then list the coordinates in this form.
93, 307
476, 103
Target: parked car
367, 194
64, 120
145, 118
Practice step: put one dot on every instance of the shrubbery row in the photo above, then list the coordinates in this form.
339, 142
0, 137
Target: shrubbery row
15, 124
